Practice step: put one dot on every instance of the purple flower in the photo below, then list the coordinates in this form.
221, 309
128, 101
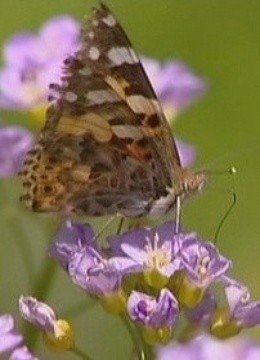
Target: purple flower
244, 311
175, 84
14, 144
58, 333
180, 352
208, 348
149, 250
10, 339
95, 274
70, 239
202, 261
32, 62
151, 312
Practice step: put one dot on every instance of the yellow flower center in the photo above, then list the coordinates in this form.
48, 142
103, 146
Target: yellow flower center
158, 256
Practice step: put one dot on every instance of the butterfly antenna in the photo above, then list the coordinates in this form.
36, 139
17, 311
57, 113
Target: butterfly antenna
224, 218
231, 171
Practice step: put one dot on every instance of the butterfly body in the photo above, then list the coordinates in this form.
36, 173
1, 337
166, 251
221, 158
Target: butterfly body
106, 146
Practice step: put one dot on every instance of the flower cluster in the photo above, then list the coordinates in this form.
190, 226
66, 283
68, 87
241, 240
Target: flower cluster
155, 275
208, 348
11, 341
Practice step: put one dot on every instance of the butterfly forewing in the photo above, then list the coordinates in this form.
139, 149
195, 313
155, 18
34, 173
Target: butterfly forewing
106, 146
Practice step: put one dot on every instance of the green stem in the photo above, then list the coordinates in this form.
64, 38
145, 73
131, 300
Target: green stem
120, 225
135, 336
81, 354
147, 350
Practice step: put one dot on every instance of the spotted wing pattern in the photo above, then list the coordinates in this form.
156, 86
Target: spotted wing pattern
106, 146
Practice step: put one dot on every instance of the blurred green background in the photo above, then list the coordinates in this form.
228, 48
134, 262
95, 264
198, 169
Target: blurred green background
220, 40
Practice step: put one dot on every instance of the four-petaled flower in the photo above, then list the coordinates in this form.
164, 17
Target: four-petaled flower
202, 261
149, 251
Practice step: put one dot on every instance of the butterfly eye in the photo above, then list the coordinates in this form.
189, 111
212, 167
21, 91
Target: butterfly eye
191, 184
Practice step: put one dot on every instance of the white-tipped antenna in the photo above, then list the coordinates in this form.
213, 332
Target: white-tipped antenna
230, 171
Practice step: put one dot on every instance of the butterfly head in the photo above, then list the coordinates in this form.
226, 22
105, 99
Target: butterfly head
193, 182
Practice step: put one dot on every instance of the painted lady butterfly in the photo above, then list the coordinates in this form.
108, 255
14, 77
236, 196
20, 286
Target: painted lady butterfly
106, 147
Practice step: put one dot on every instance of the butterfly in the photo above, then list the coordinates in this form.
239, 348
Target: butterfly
106, 147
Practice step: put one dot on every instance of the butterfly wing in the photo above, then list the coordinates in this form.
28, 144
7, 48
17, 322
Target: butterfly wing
106, 146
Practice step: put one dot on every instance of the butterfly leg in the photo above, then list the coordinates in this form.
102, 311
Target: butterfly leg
177, 214
120, 225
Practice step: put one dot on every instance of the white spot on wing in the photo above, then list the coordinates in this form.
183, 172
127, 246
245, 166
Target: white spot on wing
94, 53
70, 96
127, 131
102, 96
120, 55
142, 105
109, 20
91, 35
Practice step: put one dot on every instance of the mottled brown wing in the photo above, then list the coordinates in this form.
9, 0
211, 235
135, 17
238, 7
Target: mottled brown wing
106, 146
117, 60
